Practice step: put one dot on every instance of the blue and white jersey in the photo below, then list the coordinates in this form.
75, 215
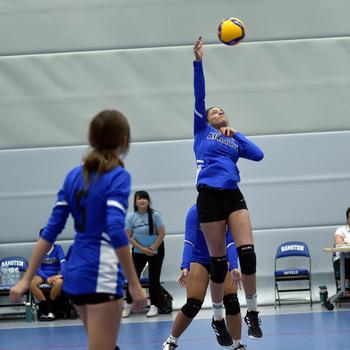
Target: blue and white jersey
99, 220
195, 247
215, 153
53, 263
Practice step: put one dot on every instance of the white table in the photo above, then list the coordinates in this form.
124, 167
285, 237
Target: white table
342, 249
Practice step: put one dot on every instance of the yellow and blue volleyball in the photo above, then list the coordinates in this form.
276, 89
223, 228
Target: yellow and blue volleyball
231, 31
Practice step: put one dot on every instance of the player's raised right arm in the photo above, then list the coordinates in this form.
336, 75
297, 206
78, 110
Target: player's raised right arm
200, 119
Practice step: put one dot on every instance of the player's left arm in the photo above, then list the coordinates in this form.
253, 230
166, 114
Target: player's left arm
191, 228
231, 252
62, 259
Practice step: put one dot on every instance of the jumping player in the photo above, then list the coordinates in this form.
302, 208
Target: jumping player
217, 149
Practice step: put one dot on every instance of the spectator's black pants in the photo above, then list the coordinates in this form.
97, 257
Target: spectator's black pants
155, 263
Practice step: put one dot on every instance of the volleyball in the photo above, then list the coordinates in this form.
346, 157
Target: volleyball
231, 31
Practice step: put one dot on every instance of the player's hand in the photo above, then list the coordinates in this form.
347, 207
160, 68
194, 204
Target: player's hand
53, 279
18, 290
237, 278
182, 280
139, 296
228, 132
198, 49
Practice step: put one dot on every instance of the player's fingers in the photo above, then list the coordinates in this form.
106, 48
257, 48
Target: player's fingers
14, 296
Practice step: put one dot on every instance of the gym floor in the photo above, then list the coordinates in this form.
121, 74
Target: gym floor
288, 327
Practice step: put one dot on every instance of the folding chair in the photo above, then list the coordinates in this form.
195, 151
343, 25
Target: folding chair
296, 261
63, 307
12, 269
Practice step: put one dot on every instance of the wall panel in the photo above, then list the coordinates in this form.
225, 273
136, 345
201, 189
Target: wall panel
39, 26
265, 88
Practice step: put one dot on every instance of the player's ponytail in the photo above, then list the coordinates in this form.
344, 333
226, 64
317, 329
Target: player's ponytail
109, 137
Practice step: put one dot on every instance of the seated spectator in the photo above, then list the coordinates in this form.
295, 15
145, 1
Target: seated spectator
146, 232
51, 271
342, 236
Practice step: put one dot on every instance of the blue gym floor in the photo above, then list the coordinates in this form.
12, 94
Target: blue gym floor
310, 330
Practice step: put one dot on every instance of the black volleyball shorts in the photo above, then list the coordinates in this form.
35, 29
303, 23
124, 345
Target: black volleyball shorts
218, 204
93, 298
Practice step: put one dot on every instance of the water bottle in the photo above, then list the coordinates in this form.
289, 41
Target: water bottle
17, 275
4, 276
29, 314
11, 276
323, 294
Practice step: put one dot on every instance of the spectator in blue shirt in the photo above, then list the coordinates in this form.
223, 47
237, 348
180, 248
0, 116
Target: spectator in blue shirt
146, 232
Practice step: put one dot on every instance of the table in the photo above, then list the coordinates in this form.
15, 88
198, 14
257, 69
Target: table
342, 249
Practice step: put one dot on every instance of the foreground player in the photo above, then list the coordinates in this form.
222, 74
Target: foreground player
195, 269
220, 202
96, 194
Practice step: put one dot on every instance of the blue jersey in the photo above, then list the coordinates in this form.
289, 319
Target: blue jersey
195, 247
53, 263
215, 153
99, 220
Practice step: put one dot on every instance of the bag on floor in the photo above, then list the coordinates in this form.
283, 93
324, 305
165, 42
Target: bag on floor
165, 305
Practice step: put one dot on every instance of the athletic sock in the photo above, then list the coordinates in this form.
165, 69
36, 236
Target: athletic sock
218, 311
173, 339
251, 302
236, 342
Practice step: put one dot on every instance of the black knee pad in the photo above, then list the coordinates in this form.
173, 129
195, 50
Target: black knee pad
231, 304
191, 308
218, 269
247, 259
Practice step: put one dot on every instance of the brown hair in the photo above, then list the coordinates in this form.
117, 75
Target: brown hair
109, 137
207, 111
145, 195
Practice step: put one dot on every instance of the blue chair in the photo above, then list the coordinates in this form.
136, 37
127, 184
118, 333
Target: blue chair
12, 269
296, 260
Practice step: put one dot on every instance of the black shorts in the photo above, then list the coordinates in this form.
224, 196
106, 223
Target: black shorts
217, 204
93, 298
